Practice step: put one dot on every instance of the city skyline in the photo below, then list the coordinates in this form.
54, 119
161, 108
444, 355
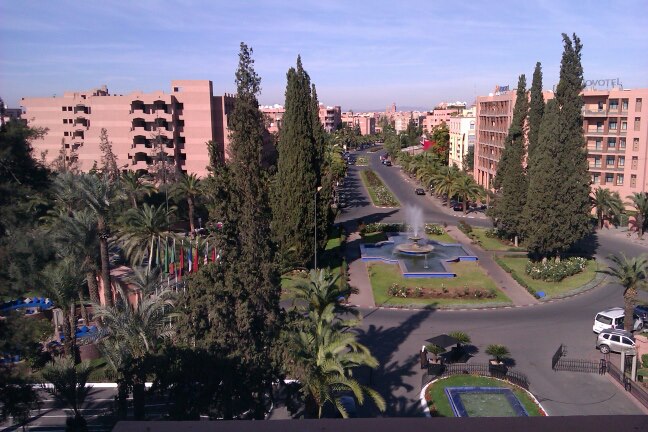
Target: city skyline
360, 56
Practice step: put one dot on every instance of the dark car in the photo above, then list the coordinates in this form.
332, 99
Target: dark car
420, 191
458, 207
388, 163
642, 312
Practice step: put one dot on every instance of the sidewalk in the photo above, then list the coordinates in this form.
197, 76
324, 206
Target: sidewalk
358, 276
622, 234
516, 292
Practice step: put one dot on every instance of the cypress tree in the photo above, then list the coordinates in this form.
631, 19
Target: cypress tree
296, 181
511, 178
324, 175
536, 109
558, 206
233, 305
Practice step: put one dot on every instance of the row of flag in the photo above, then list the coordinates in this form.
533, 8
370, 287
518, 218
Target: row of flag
179, 258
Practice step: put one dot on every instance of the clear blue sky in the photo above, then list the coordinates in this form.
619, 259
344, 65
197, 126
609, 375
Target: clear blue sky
360, 54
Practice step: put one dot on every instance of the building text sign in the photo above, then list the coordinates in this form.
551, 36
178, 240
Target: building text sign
605, 82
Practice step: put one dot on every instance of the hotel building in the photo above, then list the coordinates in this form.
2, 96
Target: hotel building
462, 136
365, 122
330, 117
179, 124
614, 126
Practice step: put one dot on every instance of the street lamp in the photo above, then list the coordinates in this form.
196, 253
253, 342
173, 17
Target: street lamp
315, 228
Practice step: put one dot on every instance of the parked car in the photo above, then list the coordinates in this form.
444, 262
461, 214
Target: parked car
613, 318
642, 312
458, 207
420, 191
388, 163
615, 340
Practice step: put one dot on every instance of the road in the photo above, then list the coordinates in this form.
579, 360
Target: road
532, 333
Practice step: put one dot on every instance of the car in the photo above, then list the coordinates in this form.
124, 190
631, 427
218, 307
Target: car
615, 340
388, 163
420, 191
458, 207
642, 312
613, 318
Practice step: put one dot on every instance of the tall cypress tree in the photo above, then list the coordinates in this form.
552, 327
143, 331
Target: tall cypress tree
511, 181
233, 305
296, 181
324, 174
558, 206
536, 109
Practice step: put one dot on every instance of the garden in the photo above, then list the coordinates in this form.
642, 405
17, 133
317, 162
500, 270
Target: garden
552, 278
489, 239
380, 195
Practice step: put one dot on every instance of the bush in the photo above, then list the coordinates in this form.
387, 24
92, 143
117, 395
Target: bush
382, 227
396, 290
433, 229
465, 227
555, 271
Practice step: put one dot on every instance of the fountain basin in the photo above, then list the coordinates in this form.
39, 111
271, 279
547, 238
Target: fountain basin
418, 263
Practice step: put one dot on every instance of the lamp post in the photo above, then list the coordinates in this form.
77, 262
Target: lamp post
315, 228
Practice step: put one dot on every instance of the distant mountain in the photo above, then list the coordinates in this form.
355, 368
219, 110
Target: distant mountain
398, 107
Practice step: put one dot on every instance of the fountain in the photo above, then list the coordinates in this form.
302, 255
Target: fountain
416, 255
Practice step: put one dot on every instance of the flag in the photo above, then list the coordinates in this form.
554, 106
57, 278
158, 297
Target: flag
196, 258
166, 255
427, 144
157, 254
206, 261
181, 269
213, 254
189, 258
172, 266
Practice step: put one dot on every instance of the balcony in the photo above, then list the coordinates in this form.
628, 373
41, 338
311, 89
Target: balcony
595, 132
80, 108
594, 113
80, 121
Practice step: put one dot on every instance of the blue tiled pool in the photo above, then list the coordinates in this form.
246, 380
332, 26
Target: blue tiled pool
484, 402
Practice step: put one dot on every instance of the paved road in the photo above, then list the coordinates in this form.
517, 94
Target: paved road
532, 334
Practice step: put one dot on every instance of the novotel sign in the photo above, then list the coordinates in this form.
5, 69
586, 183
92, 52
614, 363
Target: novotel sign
607, 82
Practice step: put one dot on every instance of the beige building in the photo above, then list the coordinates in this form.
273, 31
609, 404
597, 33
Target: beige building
330, 117
182, 122
462, 129
366, 122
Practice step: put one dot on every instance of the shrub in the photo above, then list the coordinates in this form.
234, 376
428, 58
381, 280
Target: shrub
381, 227
464, 227
500, 352
433, 229
555, 271
396, 290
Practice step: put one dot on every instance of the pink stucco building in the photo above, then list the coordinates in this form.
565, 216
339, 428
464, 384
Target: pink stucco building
329, 116
614, 126
183, 120
366, 122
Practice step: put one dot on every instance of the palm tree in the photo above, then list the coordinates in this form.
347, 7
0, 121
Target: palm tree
63, 280
321, 290
639, 200
467, 189
69, 386
189, 187
631, 273
141, 229
608, 205
135, 186
445, 182
324, 353
99, 194
500, 352
132, 331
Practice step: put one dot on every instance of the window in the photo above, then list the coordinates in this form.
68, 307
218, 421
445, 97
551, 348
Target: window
624, 125
637, 124
600, 106
627, 341
64, 121
615, 338
614, 104
66, 133
622, 143
69, 108
613, 124
633, 180
638, 105
603, 319
599, 126
635, 144
611, 143
619, 181
624, 104
596, 178
635, 162
63, 108
609, 178
597, 161
598, 144
609, 161
621, 161
472, 125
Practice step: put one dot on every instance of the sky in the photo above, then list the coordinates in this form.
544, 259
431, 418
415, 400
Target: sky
362, 55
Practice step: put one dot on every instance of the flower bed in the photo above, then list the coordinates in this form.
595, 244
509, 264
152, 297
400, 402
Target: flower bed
379, 193
555, 271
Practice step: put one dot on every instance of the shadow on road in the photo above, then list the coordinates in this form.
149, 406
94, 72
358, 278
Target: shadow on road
389, 378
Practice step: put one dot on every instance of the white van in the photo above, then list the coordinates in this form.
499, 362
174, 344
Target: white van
613, 319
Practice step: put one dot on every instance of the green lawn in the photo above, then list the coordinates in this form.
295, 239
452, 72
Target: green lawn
375, 237
517, 265
469, 274
438, 401
443, 238
492, 243
361, 161
380, 194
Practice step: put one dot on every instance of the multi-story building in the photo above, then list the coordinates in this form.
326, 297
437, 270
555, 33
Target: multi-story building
142, 127
330, 117
273, 117
614, 127
462, 136
366, 122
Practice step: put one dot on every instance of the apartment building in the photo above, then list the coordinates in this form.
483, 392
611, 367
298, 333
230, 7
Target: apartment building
462, 129
142, 127
366, 122
614, 127
330, 117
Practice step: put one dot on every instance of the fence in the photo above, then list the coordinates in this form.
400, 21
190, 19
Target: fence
481, 369
636, 389
559, 362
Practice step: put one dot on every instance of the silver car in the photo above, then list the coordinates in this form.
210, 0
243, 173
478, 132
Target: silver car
615, 340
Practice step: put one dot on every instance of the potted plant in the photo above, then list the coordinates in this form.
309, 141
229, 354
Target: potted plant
462, 339
435, 363
500, 353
